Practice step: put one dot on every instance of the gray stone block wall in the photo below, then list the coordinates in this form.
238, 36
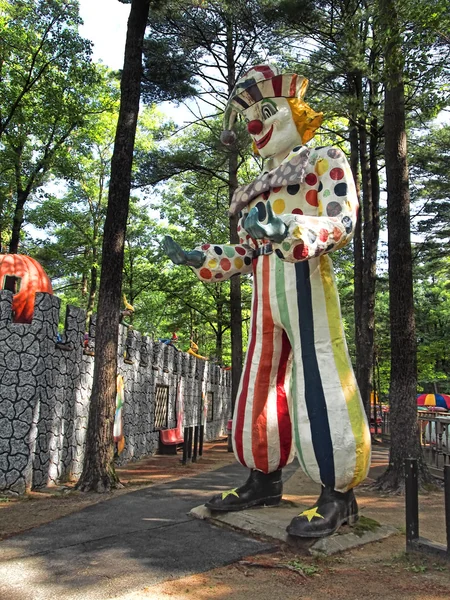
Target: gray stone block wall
45, 391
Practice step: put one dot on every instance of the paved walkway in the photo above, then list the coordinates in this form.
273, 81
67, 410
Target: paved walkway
146, 536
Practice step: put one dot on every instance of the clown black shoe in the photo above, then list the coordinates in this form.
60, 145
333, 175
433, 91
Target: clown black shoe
332, 510
260, 489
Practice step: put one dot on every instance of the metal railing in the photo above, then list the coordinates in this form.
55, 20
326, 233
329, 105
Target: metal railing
414, 543
435, 439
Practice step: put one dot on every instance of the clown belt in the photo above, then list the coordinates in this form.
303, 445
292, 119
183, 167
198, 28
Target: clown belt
263, 250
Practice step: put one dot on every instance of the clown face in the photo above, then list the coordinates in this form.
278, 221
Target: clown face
272, 128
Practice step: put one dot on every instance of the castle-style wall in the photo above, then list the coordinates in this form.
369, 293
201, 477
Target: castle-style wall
45, 389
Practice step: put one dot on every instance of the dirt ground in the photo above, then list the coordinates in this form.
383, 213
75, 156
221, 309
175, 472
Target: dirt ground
378, 570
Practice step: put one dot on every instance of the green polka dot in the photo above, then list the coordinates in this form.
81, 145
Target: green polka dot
326, 193
286, 246
229, 251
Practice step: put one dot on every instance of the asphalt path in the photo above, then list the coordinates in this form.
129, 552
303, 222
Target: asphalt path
125, 544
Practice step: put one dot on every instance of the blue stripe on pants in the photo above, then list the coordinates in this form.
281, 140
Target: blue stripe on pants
314, 394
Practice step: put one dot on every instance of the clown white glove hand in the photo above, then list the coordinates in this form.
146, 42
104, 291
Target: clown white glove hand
275, 229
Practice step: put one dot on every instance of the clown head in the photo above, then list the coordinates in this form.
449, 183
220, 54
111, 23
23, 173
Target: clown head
272, 105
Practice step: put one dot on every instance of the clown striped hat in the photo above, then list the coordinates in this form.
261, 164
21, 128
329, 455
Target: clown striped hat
261, 81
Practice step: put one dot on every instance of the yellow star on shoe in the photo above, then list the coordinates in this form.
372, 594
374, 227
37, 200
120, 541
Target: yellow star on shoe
230, 493
311, 513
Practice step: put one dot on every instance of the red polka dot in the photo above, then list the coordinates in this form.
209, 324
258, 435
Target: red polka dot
311, 179
266, 195
300, 251
206, 246
311, 198
238, 228
336, 174
241, 250
323, 235
276, 189
205, 274
218, 276
297, 211
225, 264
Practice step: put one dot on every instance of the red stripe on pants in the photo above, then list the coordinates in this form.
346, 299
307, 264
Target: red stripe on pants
262, 382
241, 400
284, 420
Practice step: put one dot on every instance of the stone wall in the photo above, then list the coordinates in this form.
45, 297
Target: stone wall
45, 389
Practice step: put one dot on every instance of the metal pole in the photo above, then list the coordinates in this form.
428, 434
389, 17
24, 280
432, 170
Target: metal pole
194, 455
447, 503
185, 445
200, 443
411, 501
189, 449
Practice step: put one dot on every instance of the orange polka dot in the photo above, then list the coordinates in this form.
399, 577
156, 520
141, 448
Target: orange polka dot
337, 233
311, 197
225, 264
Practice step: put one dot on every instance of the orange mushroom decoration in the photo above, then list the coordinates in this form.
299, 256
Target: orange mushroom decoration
32, 278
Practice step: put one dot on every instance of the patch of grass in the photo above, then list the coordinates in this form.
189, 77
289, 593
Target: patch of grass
416, 563
365, 524
416, 568
305, 568
439, 567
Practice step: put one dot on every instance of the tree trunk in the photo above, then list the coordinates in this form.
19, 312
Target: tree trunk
219, 331
235, 282
358, 250
98, 468
22, 196
368, 274
235, 298
403, 384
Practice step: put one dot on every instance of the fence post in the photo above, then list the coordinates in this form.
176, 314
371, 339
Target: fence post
411, 502
447, 504
195, 452
185, 445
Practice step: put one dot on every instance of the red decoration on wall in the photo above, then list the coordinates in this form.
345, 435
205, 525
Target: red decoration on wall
32, 278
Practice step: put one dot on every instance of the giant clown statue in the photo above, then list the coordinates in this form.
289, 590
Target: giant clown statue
298, 394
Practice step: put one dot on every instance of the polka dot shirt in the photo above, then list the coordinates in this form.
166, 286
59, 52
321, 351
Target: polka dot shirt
320, 214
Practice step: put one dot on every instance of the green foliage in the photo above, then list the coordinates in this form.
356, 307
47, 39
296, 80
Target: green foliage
193, 209
72, 217
430, 175
49, 93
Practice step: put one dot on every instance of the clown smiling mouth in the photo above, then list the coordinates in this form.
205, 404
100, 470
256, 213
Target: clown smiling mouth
263, 141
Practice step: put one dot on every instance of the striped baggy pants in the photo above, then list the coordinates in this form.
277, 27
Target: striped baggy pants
298, 392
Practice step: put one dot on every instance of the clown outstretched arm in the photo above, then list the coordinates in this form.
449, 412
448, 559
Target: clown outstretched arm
212, 262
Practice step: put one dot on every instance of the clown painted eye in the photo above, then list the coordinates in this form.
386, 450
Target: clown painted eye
268, 110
